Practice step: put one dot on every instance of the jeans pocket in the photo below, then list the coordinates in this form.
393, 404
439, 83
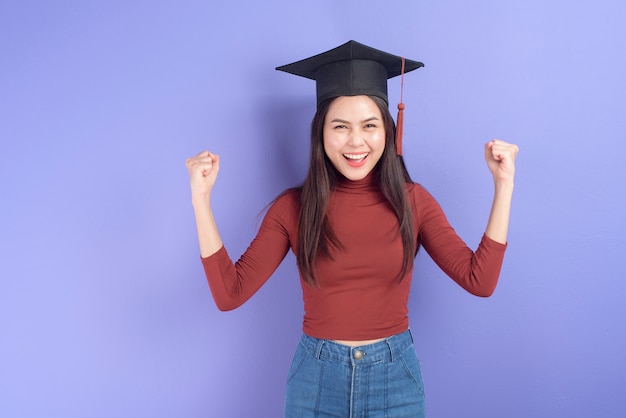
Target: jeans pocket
412, 368
298, 359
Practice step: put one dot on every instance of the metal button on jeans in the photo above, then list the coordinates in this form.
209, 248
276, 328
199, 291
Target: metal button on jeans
358, 354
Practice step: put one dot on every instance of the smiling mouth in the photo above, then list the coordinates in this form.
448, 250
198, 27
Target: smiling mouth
356, 158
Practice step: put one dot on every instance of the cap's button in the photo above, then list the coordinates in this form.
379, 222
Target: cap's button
358, 354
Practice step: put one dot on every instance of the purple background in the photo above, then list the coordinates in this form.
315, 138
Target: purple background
104, 309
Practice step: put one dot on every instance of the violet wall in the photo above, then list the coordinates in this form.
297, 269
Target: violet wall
104, 310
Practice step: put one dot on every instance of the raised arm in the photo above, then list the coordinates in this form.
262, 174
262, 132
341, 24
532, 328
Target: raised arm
475, 271
234, 283
203, 170
500, 157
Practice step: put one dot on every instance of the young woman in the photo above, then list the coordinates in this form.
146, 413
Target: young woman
355, 226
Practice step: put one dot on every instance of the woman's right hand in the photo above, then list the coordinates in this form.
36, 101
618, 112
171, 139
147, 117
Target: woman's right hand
203, 169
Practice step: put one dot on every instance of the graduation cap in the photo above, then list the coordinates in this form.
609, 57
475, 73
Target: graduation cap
354, 69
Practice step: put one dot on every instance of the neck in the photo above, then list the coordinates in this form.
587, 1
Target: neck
367, 183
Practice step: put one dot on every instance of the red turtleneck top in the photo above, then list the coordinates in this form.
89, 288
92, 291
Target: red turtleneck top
358, 296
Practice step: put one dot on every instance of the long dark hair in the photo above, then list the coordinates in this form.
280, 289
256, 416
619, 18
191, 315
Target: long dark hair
315, 236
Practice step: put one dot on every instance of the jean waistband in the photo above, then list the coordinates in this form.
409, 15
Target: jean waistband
386, 350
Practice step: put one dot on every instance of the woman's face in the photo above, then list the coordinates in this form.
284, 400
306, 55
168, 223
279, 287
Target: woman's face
354, 135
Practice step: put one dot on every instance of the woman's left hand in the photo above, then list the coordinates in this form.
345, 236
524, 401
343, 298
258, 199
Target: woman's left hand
500, 157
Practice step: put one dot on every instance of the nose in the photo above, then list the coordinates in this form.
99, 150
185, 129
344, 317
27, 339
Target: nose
356, 138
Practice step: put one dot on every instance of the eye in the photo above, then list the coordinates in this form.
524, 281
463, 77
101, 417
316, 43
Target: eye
340, 127
370, 125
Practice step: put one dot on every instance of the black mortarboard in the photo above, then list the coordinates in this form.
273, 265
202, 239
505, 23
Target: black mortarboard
353, 69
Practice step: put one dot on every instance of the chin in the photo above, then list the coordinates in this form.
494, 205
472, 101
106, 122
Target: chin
355, 175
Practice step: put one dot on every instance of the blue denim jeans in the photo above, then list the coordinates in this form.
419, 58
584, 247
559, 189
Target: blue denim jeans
328, 379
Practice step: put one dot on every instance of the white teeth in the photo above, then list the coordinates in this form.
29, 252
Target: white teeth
355, 156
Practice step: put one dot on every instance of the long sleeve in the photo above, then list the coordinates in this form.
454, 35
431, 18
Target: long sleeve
232, 284
475, 271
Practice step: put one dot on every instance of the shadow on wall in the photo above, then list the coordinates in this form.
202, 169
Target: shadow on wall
286, 125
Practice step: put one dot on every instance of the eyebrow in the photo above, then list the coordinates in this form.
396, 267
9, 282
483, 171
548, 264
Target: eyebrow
337, 120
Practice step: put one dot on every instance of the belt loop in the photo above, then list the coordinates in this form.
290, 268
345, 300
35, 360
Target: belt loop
318, 349
391, 350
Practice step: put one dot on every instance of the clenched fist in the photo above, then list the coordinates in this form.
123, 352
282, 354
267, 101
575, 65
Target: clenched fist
500, 157
203, 169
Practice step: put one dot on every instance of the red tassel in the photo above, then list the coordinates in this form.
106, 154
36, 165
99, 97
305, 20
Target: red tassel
400, 119
399, 128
